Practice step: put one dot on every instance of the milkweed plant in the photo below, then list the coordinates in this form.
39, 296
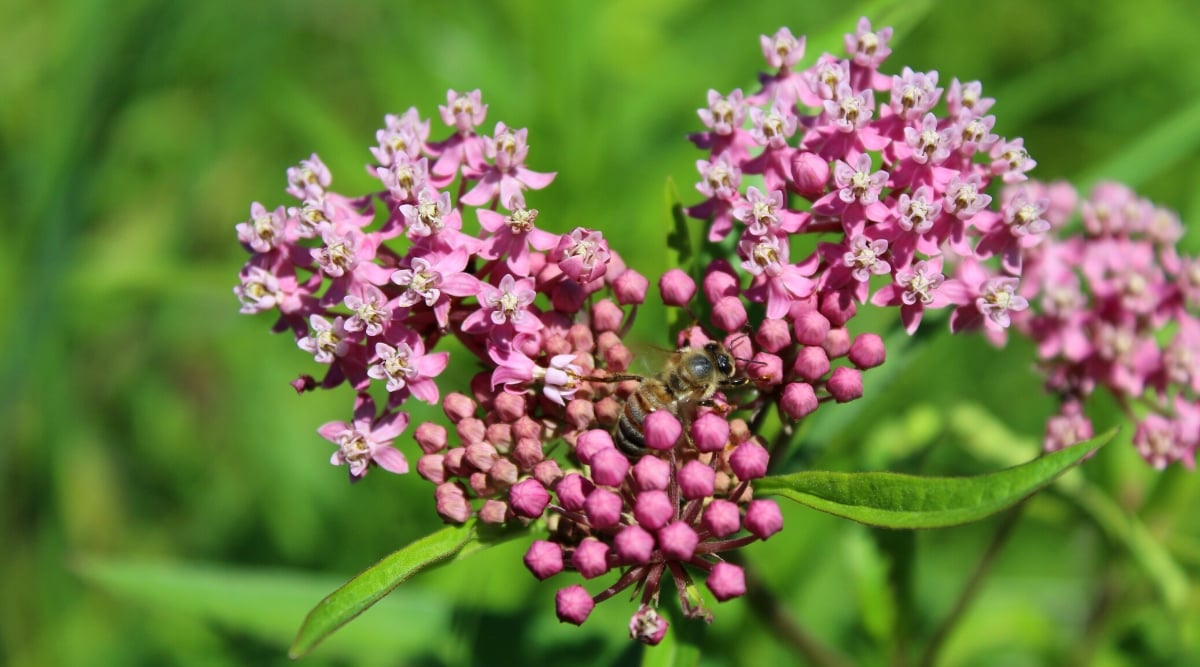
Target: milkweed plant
842, 183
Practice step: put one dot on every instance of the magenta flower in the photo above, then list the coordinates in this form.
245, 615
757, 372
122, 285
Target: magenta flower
407, 368
327, 340
776, 280
370, 310
265, 229
367, 440
402, 139
914, 290
508, 304
434, 278
512, 236
507, 175
583, 255
308, 179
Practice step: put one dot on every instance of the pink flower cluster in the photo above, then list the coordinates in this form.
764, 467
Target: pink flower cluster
1114, 307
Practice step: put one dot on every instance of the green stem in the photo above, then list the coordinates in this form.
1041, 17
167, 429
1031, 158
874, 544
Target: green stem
974, 584
764, 604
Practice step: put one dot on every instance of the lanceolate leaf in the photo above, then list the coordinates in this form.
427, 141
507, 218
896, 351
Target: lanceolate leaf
892, 500
364, 590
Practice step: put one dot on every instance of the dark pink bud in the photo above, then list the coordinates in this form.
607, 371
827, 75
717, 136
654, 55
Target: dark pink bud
603, 509
647, 626
304, 383
431, 437
452, 503
810, 173
572, 491
722, 518
481, 484
509, 407
678, 541
653, 509
544, 559
580, 413
662, 430
837, 343
581, 338
811, 328
726, 581
481, 455
651, 472
838, 308
677, 287
729, 314
567, 296
493, 511
432, 468
458, 406
630, 287
590, 558
767, 369
573, 604
773, 335
454, 461
867, 351
548, 473
811, 363
710, 432
696, 480
504, 473
528, 453
845, 384
591, 442
609, 467
607, 316
719, 282
470, 430
763, 518
749, 460
739, 345
798, 400
634, 545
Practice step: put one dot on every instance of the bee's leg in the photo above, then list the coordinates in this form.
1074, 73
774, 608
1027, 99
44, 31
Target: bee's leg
621, 377
720, 408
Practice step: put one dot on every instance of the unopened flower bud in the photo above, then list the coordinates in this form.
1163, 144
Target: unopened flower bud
581, 338
528, 453
811, 328
729, 314
590, 558
580, 413
573, 604
720, 281
493, 511
504, 473
677, 288
608, 410
634, 545
509, 407
773, 335
591, 442
838, 308
528, 498
726, 581
458, 406
653, 509
454, 461
647, 626
500, 436
432, 468
526, 427
651, 472
430, 437
481, 455
845, 384
710, 432
763, 518
749, 460
603, 508
867, 351
573, 490
810, 173
767, 369
630, 287
722, 518
811, 364
544, 559
452, 503
696, 480
798, 400
609, 467
678, 541
547, 472
481, 484
470, 430
837, 343
662, 430
607, 316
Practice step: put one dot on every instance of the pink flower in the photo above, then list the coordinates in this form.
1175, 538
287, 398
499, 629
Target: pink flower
402, 139
507, 304
327, 339
308, 179
776, 281
583, 255
432, 279
512, 236
367, 440
265, 229
407, 368
506, 176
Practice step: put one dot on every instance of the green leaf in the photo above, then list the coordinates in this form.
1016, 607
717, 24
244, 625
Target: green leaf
364, 590
678, 238
892, 500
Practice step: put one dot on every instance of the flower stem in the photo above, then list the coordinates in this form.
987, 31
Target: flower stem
974, 584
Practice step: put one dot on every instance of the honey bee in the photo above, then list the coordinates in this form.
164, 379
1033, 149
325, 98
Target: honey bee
688, 380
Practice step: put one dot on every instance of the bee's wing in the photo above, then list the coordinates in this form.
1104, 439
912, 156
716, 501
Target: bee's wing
648, 359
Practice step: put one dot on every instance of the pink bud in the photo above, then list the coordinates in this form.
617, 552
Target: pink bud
573, 604
590, 558
678, 541
493, 511
763, 518
722, 518
767, 369
720, 281
567, 296
544, 559
481, 455
548, 473
838, 308
729, 314
811, 364
481, 484
867, 351
454, 461
810, 173
432, 468
608, 410
837, 343
647, 626
580, 337
609, 467
607, 316
452, 503
749, 460
773, 335
630, 287
662, 430
696, 480
811, 328
470, 430
798, 400
431, 437
580, 413
634, 545
525, 427
504, 473
590, 443
653, 509
572, 491
617, 358
509, 407
845, 384
651, 472
726, 581
603, 509
500, 436
710, 432
677, 287
458, 406
528, 453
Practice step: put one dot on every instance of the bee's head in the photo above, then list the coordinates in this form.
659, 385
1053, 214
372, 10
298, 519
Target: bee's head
720, 358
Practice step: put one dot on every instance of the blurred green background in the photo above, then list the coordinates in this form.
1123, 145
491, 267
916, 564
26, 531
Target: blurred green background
166, 499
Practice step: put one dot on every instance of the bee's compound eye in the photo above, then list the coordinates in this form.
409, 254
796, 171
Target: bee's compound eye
723, 364
712, 348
